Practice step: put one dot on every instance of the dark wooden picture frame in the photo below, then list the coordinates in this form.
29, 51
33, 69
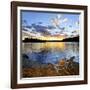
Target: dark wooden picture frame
14, 52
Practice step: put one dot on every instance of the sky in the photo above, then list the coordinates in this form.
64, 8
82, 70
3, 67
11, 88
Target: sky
61, 22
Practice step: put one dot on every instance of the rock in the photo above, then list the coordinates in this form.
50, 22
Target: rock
61, 62
49, 65
25, 56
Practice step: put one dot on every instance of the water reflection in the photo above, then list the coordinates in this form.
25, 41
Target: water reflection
51, 52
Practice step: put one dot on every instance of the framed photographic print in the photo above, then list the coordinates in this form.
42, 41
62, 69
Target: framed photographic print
48, 44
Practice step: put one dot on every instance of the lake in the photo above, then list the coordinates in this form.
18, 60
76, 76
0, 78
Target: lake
51, 52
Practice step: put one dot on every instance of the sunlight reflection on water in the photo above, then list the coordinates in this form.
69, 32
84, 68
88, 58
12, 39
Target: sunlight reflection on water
51, 52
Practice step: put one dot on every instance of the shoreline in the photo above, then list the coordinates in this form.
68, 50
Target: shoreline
62, 68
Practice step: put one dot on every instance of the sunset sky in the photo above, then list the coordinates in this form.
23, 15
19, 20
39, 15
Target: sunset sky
52, 23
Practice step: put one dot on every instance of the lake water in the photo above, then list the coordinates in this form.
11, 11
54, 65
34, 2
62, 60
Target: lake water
51, 52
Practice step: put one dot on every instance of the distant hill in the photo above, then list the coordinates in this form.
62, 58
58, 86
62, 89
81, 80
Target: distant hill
73, 39
33, 40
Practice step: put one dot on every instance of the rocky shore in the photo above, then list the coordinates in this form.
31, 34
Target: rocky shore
64, 67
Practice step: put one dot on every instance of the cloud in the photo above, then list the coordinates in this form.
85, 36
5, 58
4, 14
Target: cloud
77, 23
59, 16
65, 20
61, 19
55, 22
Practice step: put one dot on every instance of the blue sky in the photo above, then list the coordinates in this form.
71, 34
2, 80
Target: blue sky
68, 21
